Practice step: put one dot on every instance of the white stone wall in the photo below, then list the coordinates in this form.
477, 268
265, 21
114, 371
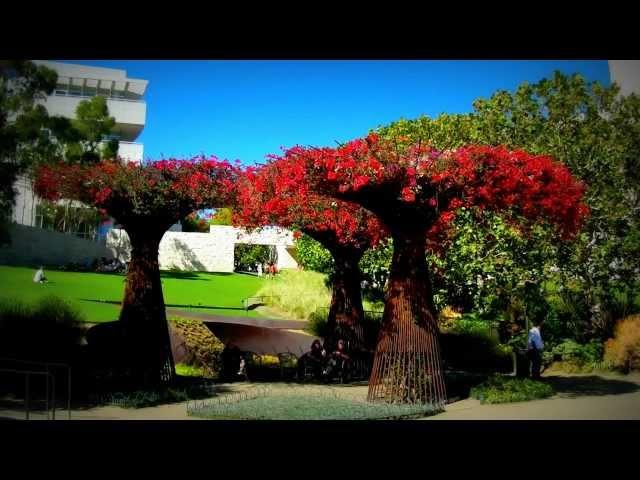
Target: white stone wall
31, 246
24, 211
207, 252
626, 73
131, 151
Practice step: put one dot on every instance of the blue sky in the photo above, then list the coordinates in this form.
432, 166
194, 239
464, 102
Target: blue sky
247, 109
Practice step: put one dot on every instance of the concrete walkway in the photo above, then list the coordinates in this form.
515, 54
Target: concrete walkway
578, 397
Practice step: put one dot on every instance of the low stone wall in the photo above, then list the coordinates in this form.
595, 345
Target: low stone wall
207, 252
34, 246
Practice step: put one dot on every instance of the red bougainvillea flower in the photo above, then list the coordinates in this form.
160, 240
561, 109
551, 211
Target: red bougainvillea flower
372, 171
164, 189
278, 194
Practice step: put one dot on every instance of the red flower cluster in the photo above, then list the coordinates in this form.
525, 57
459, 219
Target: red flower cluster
279, 193
532, 186
163, 189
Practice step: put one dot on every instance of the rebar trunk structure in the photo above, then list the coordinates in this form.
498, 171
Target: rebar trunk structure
346, 312
143, 317
407, 366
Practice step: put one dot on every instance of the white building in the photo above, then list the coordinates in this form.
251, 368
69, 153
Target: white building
626, 73
80, 82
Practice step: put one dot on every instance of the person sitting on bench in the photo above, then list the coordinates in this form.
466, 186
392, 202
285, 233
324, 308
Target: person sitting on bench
339, 362
312, 360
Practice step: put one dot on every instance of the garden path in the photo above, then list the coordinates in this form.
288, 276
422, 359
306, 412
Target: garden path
578, 397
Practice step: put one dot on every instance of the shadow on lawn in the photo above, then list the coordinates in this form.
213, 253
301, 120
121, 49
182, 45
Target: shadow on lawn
180, 275
168, 305
587, 386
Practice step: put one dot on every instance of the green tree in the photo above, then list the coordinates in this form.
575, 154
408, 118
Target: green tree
22, 119
223, 216
93, 124
247, 256
595, 132
312, 255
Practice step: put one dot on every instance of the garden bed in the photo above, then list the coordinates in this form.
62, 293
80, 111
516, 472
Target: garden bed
273, 404
503, 389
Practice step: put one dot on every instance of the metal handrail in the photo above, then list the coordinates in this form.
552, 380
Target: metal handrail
245, 301
118, 99
47, 365
374, 312
27, 396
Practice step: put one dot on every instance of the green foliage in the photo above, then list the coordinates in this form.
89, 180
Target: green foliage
190, 370
301, 294
65, 217
23, 141
193, 223
469, 324
501, 389
374, 266
203, 347
581, 354
595, 133
94, 124
153, 397
247, 256
311, 255
223, 216
48, 329
297, 293
317, 325
492, 268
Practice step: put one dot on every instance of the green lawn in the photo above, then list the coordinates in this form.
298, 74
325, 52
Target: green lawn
215, 293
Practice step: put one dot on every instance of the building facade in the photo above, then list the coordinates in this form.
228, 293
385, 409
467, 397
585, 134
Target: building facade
626, 73
80, 82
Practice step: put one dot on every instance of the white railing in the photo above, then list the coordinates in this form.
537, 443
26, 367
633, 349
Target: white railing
108, 97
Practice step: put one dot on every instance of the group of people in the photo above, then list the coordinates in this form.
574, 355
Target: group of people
113, 265
270, 270
325, 363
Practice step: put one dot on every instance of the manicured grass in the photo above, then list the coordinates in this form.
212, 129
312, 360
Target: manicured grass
97, 295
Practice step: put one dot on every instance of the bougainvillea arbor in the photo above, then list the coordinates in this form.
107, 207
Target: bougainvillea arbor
416, 191
146, 200
278, 194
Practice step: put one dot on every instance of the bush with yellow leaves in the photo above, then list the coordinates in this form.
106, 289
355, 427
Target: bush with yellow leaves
623, 350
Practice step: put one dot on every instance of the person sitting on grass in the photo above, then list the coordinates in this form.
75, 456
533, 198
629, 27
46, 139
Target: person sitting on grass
39, 277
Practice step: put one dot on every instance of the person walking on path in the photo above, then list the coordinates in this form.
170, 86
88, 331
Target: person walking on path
535, 345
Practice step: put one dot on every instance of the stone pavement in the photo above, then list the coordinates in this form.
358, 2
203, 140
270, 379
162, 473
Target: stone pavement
578, 397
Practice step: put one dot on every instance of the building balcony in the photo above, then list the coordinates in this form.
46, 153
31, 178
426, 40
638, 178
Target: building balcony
130, 115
